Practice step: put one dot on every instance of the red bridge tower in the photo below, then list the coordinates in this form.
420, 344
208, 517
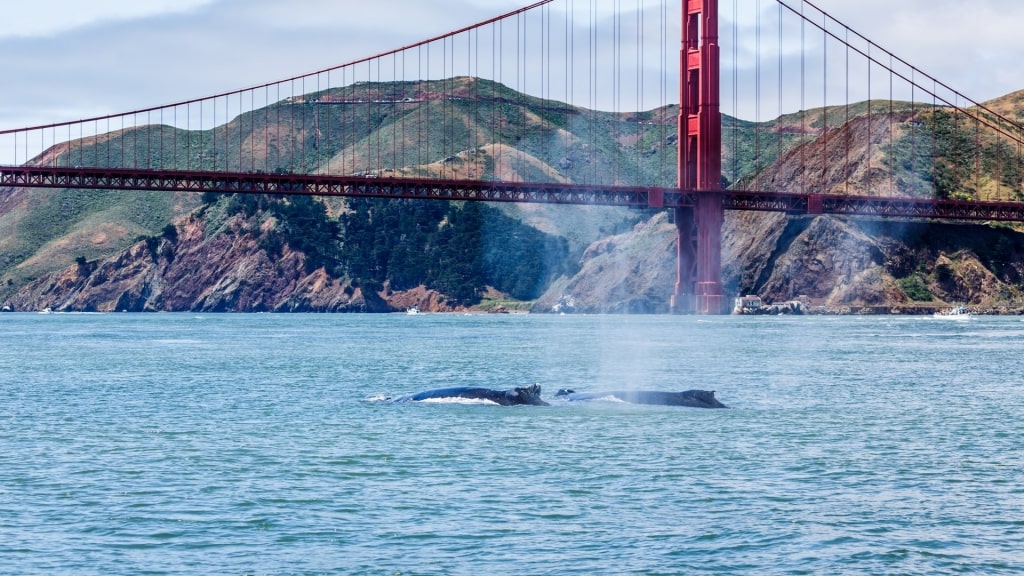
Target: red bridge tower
699, 228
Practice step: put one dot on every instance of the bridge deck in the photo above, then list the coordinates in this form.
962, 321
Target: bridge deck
529, 192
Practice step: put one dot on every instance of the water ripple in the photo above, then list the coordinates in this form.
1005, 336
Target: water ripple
247, 444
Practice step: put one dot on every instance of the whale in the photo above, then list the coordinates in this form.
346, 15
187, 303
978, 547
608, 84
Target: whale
525, 395
688, 398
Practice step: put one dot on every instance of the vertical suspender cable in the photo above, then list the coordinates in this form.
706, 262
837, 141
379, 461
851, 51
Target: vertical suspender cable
870, 131
757, 94
267, 163
495, 79
892, 111
303, 131
954, 155
663, 134
643, 176
849, 129
426, 130
591, 91
977, 159
250, 136
227, 130
934, 139
666, 167
347, 95
778, 121
521, 49
913, 133
616, 82
419, 108
213, 133
803, 102
639, 93
378, 123
734, 171
402, 108
545, 71
824, 184
277, 127
570, 44
499, 149
473, 121
454, 146
445, 103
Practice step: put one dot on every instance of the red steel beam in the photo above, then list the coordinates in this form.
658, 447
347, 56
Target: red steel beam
326, 185
531, 192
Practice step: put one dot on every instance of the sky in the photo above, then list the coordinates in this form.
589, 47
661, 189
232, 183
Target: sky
68, 59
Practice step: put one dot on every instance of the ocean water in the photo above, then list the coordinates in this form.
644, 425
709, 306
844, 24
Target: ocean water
261, 444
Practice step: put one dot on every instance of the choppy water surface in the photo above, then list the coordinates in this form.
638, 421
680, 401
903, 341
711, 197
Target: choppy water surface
235, 444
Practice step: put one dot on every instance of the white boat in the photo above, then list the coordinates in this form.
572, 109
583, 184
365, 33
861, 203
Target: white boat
413, 310
955, 313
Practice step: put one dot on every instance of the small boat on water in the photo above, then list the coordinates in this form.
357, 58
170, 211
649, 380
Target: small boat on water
955, 313
413, 310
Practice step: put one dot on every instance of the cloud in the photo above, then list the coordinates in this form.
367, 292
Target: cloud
417, 18
51, 17
971, 48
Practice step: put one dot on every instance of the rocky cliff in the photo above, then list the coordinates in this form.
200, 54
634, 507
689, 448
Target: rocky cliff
838, 265
633, 272
193, 270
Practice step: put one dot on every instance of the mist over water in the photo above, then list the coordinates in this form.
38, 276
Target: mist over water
184, 444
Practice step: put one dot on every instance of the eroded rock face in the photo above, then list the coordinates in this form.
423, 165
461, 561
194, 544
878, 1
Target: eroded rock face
223, 272
629, 273
835, 263
823, 258
226, 272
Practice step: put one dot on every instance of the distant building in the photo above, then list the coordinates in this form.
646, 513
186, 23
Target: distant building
747, 304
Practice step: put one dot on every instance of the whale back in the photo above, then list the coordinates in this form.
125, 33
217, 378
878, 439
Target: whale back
529, 395
689, 398
703, 398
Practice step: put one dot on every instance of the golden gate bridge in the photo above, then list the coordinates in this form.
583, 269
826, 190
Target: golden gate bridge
871, 136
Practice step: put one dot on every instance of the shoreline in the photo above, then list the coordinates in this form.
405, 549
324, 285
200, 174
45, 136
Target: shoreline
879, 310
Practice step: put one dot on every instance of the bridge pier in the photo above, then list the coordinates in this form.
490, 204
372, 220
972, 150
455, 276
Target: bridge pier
686, 261
710, 216
698, 286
